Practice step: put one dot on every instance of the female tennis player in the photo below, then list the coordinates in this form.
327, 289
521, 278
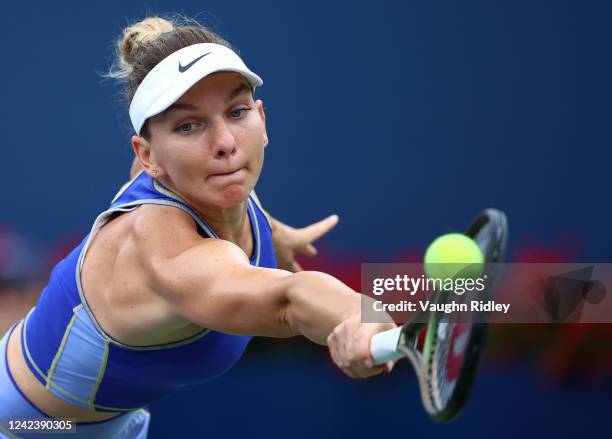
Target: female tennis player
179, 272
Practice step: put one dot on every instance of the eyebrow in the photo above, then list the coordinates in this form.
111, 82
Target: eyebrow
183, 106
243, 87
180, 106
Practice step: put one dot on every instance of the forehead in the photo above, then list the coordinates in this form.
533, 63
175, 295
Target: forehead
216, 86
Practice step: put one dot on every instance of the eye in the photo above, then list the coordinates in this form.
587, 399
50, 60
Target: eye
238, 113
186, 127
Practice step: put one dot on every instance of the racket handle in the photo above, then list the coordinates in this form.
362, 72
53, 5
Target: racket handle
383, 346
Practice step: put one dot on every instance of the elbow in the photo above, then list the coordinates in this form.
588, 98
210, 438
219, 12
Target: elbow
286, 323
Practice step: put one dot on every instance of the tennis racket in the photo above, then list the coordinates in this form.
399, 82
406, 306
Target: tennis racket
447, 363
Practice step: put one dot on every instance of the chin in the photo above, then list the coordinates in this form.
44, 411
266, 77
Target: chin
233, 195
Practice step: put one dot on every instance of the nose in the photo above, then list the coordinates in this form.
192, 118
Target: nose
223, 141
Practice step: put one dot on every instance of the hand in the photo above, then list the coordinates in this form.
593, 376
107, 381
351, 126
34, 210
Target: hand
349, 345
289, 242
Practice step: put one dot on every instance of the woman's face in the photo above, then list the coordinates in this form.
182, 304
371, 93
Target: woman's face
209, 145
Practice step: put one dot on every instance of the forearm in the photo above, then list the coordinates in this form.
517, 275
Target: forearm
317, 303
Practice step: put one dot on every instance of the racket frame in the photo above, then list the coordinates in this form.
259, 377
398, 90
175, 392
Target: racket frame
424, 362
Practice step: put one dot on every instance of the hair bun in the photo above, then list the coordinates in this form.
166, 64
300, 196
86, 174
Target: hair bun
139, 34
143, 45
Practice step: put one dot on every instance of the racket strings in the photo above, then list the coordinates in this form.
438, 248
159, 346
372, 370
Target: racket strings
442, 383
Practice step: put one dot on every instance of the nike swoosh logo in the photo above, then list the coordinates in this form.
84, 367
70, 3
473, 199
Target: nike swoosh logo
183, 69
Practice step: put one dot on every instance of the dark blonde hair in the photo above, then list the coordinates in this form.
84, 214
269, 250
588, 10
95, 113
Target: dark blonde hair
143, 45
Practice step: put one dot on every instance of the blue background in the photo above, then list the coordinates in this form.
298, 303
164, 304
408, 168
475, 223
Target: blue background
405, 118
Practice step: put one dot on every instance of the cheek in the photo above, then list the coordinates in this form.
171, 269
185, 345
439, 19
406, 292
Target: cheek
256, 146
179, 157
258, 161
256, 135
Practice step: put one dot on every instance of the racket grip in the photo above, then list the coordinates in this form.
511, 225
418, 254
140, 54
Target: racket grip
383, 346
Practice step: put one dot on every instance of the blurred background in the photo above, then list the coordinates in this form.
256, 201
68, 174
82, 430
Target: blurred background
405, 118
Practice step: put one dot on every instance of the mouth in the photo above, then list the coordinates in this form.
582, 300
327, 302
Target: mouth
225, 174
231, 177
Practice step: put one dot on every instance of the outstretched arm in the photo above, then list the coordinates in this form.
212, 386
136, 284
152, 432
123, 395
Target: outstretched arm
228, 294
210, 282
214, 285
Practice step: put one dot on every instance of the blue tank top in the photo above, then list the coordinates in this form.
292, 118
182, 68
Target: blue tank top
74, 358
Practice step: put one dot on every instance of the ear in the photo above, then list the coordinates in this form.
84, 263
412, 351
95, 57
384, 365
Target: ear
146, 157
262, 114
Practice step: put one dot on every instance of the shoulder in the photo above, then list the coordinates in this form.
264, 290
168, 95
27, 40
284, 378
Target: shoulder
164, 236
160, 228
119, 273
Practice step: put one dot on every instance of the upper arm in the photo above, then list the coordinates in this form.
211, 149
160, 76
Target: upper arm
212, 284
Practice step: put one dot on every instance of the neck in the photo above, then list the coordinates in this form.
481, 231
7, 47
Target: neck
229, 223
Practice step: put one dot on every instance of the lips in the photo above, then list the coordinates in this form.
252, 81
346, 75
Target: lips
229, 169
228, 177
221, 174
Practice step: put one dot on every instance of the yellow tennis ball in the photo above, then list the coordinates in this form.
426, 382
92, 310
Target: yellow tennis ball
453, 255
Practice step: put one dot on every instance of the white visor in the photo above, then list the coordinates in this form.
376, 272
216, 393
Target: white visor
177, 73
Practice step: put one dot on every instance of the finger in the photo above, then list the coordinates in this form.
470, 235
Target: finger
307, 250
332, 344
362, 372
315, 231
334, 350
349, 372
376, 370
295, 267
344, 345
334, 355
283, 263
389, 366
362, 364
